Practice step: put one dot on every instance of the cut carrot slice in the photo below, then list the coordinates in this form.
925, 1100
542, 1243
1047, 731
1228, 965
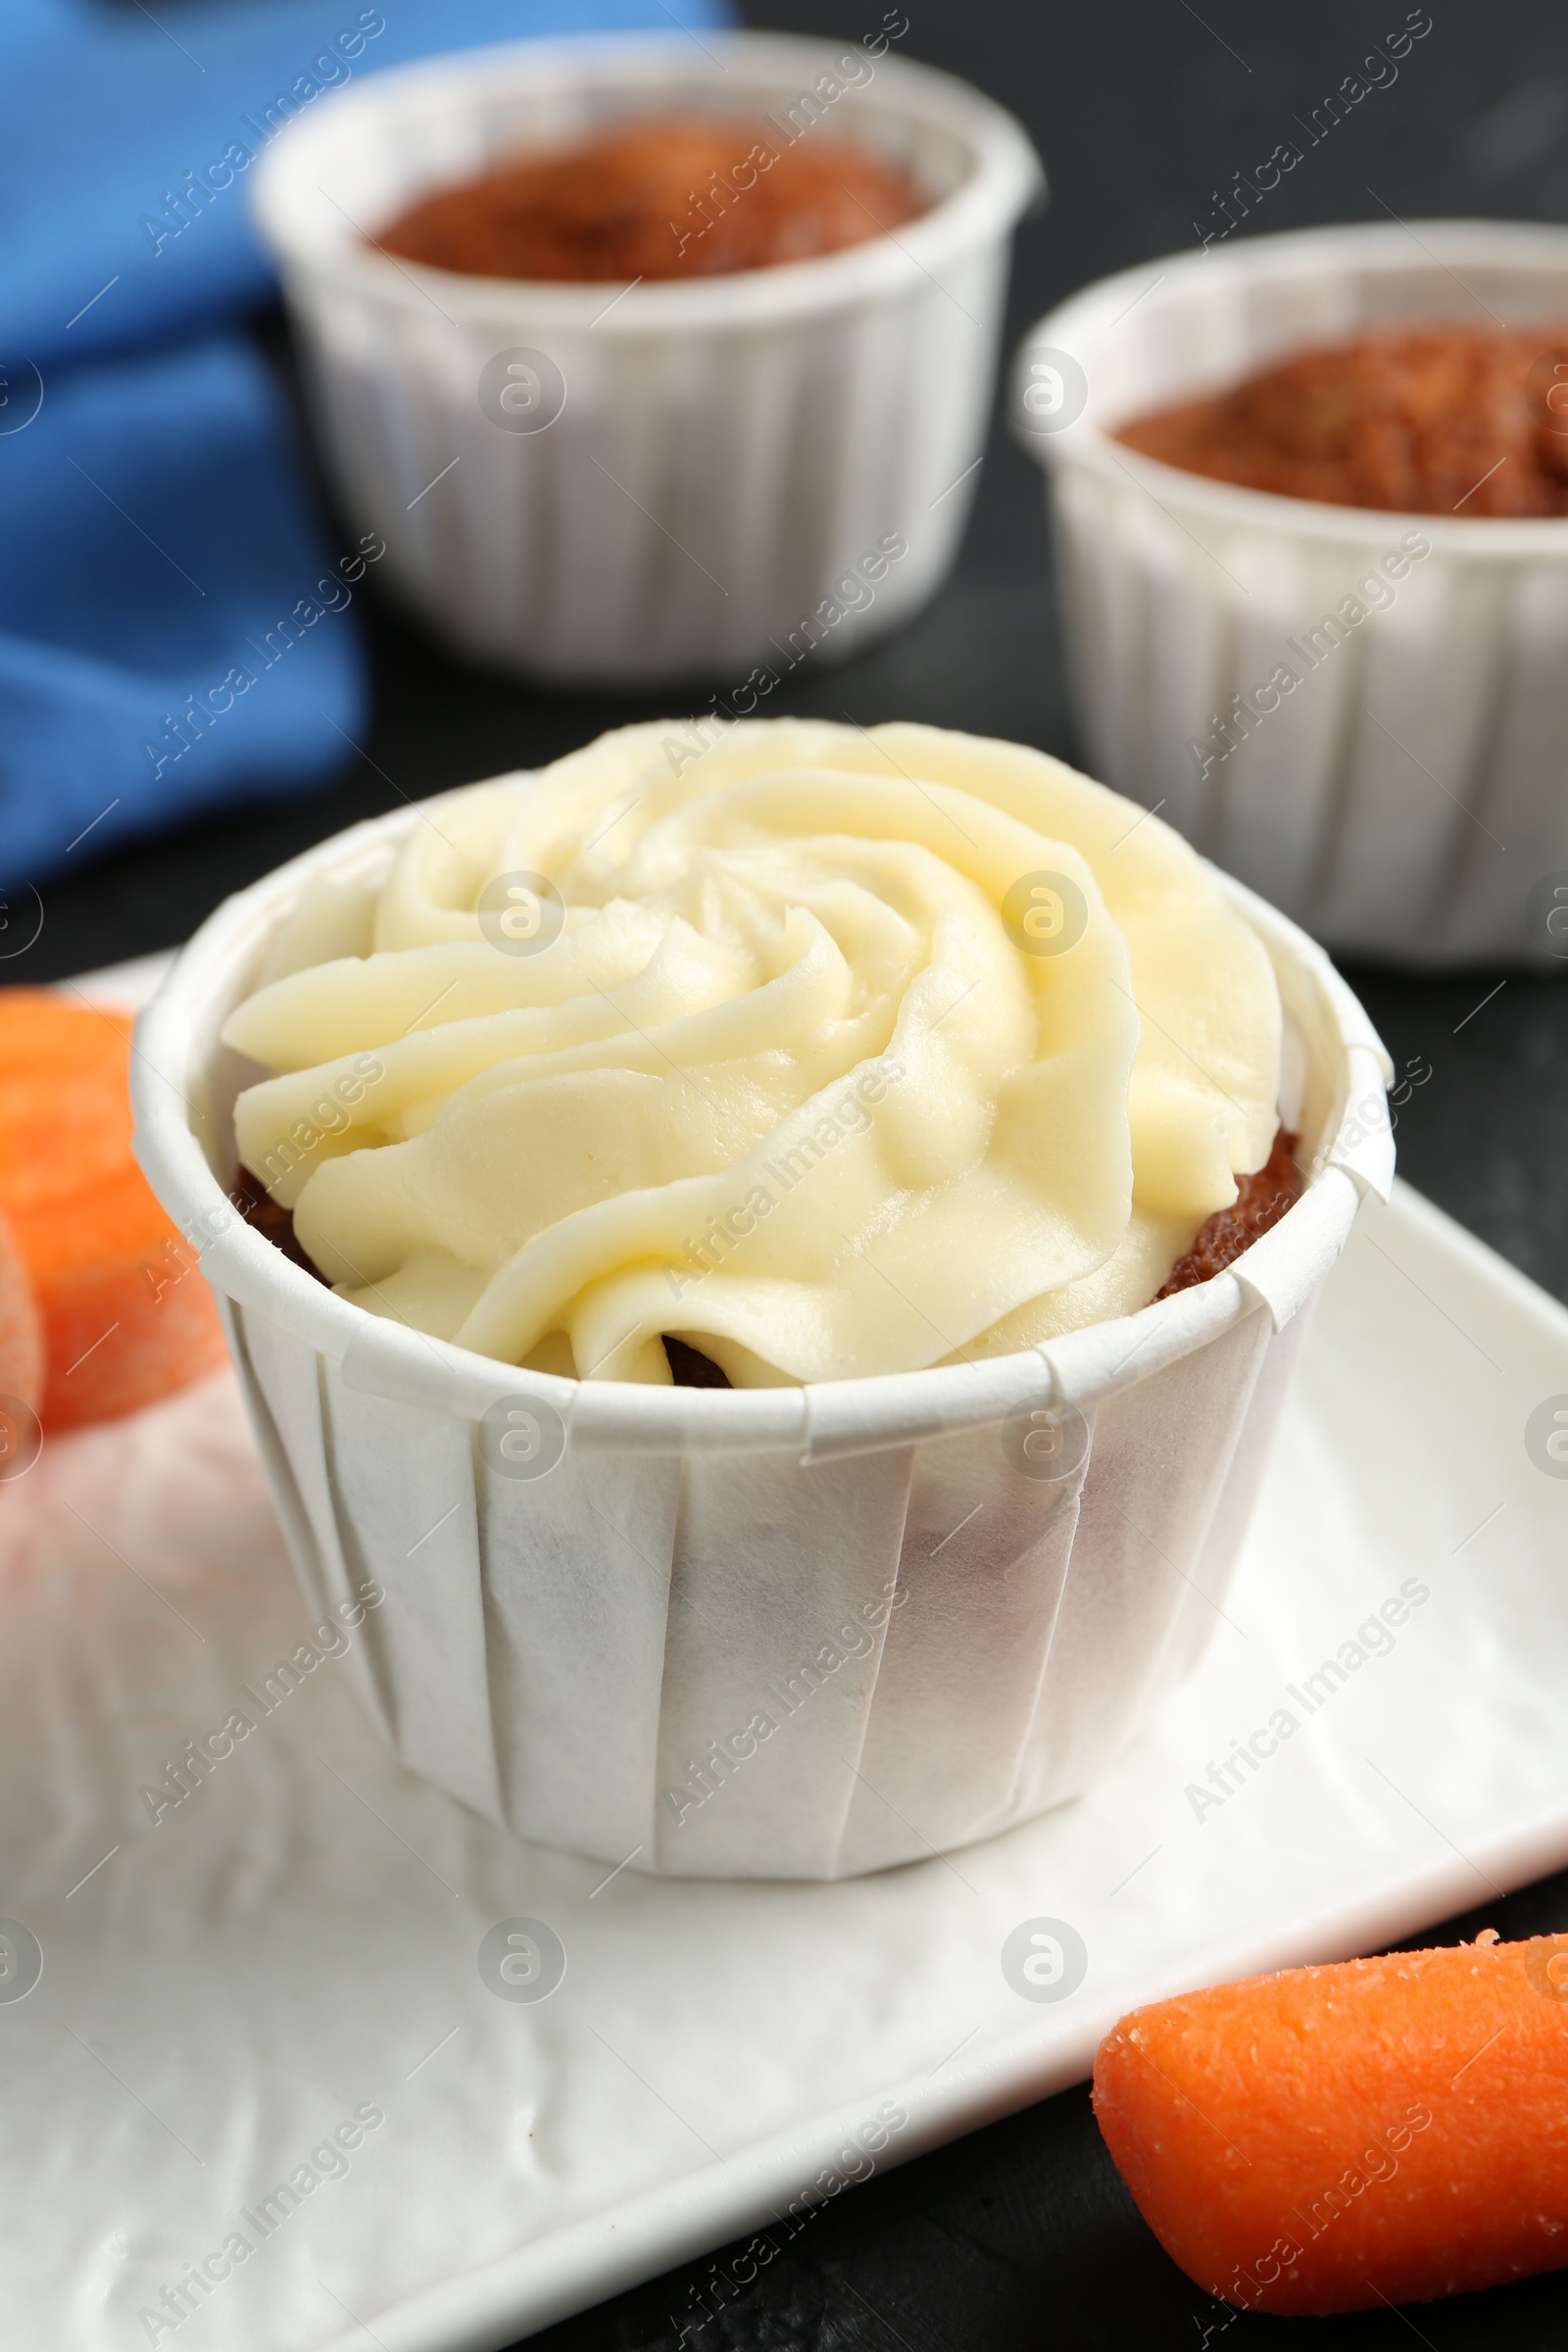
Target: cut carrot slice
126, 1317
20, 1338
1333, 2138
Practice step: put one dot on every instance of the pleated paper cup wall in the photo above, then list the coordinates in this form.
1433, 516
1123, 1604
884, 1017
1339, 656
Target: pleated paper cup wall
1407, 798
696, 469
792, 1632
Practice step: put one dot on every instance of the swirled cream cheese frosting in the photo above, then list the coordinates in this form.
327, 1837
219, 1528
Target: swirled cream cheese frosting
828, 1051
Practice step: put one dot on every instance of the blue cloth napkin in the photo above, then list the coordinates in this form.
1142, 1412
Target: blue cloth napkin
174, 632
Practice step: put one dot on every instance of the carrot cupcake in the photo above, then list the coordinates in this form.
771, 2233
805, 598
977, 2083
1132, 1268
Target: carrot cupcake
793, 1236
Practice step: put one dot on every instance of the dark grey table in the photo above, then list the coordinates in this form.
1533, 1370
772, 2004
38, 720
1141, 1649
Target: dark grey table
1022, 2235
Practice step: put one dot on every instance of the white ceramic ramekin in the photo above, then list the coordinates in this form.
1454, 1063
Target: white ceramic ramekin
718, 465
953, 1614
1410, 795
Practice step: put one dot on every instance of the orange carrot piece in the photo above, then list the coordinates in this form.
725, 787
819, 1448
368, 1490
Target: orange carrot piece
1333, 2138
20, 1340
126, 1317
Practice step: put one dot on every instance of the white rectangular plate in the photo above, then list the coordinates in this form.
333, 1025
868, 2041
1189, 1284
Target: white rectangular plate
300, 1937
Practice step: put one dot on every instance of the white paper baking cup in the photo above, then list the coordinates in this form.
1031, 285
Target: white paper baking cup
712, 459
945, 1642
1409, 797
